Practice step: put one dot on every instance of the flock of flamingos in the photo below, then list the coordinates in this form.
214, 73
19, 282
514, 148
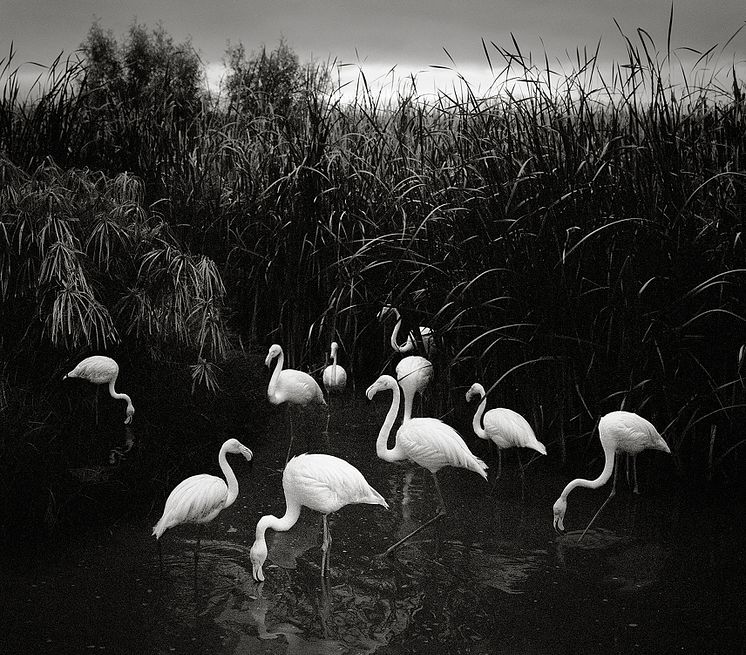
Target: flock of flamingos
325, 483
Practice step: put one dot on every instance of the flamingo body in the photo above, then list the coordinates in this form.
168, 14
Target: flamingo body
334, 376
323, 483
504, 427
100, 369
289, 385
620, 431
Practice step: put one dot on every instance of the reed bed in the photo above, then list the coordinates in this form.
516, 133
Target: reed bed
575, 238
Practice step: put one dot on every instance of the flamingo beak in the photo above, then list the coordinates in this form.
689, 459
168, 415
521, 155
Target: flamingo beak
559, 528
128, 420
371, 391
257, 573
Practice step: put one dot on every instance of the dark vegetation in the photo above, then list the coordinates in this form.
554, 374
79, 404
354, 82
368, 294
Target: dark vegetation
576, 240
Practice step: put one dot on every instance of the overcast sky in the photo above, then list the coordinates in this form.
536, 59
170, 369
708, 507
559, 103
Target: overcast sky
408, 34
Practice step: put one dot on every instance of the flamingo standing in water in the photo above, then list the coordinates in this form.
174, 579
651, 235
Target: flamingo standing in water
291, 387
323, 483
334, 376
100, 369
624, 432
426, 336
200, 498
426, 441
504, 427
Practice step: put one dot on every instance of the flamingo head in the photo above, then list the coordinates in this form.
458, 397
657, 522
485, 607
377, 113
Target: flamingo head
475, 389
335, 347
559, 509
384, 382
130, 414
258, 556
275, 350
236, 447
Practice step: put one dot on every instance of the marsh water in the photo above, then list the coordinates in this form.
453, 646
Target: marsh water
661, 572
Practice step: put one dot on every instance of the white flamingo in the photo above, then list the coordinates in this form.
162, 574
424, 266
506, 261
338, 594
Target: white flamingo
334, 376
200, 498
504, 427
427, 335
323, 483
426, 441
414, 374
291, 387
100, 369
619, 431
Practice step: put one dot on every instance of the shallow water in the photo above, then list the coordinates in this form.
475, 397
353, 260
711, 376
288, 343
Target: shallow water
662, 572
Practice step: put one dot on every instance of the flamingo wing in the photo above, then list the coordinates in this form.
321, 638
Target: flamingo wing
326, 483
298, 388
433, 444
197, 499
508, 428
97, 369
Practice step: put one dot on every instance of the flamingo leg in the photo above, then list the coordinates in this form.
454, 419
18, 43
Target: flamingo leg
196, 551
611, 495
290, 422
636, 489
325, 548
441, 513
160, 555
95, 405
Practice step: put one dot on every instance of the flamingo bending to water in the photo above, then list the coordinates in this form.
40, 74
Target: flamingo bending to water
619, 431
100, 369
426, 441
323, 483
291, 387
200, 498
504, 427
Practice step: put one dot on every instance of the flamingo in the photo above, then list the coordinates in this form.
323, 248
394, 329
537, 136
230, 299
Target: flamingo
413, 373
323, 483
291, 387
200, 498
504, 427
426, 336
334, 376
619, 431
426, 441
100, 369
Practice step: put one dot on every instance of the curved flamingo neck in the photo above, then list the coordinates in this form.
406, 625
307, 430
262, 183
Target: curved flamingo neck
272, 388
477, 420
408, 403
282, 524
230, 477
119, 396
394, 454
395, 336
609, 453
